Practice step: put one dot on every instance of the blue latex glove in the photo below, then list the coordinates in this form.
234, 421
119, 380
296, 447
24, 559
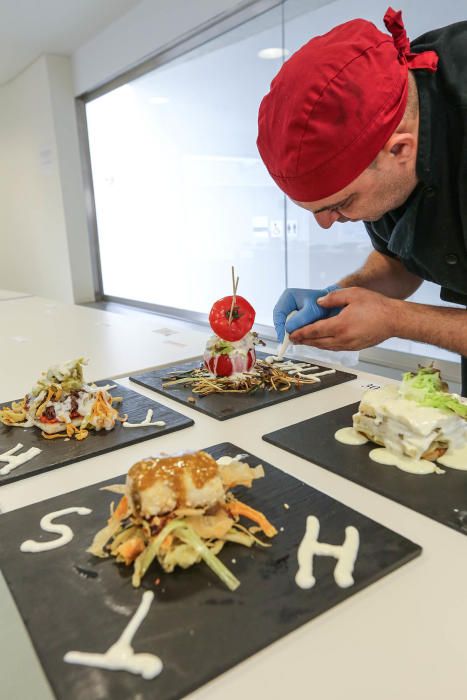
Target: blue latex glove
308, 310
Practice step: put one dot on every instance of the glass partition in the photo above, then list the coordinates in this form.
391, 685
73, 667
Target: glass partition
181, 193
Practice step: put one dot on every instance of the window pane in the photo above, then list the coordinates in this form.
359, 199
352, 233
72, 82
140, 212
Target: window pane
181, 193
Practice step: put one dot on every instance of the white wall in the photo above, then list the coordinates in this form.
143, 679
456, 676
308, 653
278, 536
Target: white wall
42, 221
69, 170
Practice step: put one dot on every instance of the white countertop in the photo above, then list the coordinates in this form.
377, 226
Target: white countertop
36, 333
9, 294
401, 637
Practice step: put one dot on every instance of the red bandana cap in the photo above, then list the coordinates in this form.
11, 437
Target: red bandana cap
334, 104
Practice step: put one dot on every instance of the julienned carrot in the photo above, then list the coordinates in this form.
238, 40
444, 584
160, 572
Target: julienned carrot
130, 549
121, 509
238, 508
167, 543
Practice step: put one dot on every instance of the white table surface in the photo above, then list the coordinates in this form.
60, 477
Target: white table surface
402, 637
8, 294
36, 333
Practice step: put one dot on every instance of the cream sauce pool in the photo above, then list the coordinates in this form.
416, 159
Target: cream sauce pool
455, 459
382, 455
349, 436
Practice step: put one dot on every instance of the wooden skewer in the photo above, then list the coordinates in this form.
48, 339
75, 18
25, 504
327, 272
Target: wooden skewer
235, 287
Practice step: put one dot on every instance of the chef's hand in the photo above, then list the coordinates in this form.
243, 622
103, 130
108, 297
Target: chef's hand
366, 318
304, 302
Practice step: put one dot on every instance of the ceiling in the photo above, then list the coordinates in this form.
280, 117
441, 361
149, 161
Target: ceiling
29, 28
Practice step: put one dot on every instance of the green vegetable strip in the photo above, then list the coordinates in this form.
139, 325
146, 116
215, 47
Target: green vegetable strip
145, 559
239, 538
189, 536
185, 533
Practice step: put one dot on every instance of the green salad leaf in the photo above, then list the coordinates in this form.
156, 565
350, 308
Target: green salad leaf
428, 389
68, 375
222, 347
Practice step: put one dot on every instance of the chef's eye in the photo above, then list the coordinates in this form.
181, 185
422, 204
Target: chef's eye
345, 205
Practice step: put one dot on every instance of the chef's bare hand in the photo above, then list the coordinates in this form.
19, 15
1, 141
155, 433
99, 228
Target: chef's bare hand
367, 318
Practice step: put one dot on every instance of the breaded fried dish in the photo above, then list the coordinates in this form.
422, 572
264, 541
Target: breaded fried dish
179, 510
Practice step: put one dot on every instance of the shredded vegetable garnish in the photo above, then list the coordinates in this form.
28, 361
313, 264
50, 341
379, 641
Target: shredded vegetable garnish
262, 376
428, 389
143, 528
15, 414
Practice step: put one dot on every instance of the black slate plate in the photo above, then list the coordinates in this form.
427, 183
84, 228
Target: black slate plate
58, 453
224, 406
71, 601
442, 497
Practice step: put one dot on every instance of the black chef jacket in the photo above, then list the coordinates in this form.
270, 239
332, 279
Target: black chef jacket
428, 234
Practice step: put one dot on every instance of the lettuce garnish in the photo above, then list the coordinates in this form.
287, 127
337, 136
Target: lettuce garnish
222, 347
427, 389
68, 375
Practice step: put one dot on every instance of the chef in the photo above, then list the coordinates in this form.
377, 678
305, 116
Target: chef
361, 125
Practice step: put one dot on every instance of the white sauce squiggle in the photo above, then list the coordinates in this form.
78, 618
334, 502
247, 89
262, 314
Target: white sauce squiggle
146, 422
13, 460
302, 370
120, 656
65, 532
346, 555
225, 460
327, 371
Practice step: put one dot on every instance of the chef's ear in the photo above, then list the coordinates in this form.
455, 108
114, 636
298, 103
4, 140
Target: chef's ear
402, 146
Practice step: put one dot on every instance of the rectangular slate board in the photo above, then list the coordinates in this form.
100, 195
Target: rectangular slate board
58, 453
442, 497
224, 406
70, 600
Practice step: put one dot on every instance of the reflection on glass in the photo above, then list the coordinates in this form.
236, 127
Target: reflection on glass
181, 193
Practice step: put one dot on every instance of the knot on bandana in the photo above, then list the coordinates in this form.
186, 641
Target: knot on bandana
334, 104
394, 24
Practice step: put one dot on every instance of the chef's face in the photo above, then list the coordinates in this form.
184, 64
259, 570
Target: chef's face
383, 186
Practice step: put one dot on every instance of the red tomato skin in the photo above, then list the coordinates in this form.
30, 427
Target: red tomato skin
242, 319
251, 359
43, 419
221, 365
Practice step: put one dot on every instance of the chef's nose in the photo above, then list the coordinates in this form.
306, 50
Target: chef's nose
326, 218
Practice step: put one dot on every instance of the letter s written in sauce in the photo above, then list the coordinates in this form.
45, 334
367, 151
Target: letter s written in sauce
47, 524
